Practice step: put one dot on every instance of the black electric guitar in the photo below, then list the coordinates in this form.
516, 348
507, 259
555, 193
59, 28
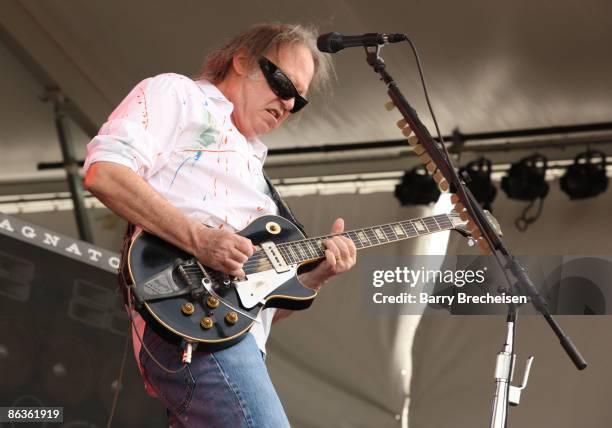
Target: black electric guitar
205, 306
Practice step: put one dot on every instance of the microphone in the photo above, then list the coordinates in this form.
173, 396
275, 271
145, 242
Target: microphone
335, 42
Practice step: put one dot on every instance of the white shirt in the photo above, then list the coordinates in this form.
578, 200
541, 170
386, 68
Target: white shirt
178, 135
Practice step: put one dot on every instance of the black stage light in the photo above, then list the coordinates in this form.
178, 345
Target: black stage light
526, 179
417, 188
479, 172
586, 177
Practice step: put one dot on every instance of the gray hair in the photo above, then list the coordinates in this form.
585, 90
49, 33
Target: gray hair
263, 38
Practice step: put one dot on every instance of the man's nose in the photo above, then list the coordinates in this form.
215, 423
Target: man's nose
288, 104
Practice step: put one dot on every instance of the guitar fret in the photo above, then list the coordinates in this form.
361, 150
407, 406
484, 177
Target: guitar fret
315, 246
444, 221
312, 247
294, 254
370, 234
420, 227
362, 235
409, 228
391, 236
355, 238
300, 251
431, 224
304, 249
380, 235
398, 230
437, 223
284, 253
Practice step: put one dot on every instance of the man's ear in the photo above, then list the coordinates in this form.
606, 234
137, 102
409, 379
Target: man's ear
240, 64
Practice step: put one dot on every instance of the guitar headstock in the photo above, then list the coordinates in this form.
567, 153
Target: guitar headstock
465, 226
459, 217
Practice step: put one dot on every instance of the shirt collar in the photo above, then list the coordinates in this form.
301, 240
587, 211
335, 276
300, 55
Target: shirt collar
259, 149
211, 91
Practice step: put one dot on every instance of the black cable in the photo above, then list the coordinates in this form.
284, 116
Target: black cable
448, 160
444, 149
523, 222
426, 93
160, 365
119, 382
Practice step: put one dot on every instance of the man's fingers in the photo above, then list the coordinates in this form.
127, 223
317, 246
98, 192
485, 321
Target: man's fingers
239, 256
330, 257
342, 247
245, 246
239, 273
331, 245
351, 247
338, 226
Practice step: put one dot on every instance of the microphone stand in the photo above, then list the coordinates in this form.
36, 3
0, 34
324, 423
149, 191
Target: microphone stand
504, 392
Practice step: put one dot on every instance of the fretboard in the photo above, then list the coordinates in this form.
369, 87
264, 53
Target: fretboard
312, 248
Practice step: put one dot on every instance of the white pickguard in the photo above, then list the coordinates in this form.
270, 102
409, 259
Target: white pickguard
258, 285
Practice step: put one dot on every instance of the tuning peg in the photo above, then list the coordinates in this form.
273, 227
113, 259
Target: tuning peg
419, 149
424, 157
407, 131
454, 199
475, 234
484, 247
464, 216
389, 105
442, 183
402, 123
431, 167
413, 140
458, 208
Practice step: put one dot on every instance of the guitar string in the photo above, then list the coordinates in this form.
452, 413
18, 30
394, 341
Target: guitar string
257, 258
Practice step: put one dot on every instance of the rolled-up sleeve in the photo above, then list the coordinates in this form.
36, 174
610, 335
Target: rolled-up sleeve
144, 128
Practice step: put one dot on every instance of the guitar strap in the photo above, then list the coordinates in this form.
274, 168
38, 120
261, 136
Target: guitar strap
283, 209
285, 212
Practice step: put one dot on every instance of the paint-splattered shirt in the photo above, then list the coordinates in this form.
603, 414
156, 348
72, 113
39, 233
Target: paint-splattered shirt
177, 134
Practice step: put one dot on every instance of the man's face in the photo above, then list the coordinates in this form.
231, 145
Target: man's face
257, 109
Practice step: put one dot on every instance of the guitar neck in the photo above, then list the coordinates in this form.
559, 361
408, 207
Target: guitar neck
312, 249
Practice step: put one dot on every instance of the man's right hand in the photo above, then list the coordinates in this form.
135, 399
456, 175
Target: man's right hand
223, 251
128, 195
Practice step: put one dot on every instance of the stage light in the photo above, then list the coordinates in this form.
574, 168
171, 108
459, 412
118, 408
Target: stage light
526, 179
586, 177
417, 188
479, 172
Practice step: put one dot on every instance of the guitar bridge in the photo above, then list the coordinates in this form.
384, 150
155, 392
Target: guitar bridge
275, 257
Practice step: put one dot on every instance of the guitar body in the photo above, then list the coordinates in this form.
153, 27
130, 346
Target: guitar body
200, 313
202, 305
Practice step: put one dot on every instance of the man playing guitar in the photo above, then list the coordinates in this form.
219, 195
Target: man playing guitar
181, 159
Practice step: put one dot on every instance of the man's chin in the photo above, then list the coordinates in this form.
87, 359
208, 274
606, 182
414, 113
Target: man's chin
265, 128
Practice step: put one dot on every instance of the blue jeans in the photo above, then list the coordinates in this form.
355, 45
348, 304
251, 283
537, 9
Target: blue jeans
224, 389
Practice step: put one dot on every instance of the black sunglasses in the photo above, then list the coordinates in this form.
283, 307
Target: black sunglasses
280, 84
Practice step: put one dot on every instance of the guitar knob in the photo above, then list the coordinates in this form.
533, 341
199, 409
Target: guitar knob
187, 308
231, 317
212, 302
206, 323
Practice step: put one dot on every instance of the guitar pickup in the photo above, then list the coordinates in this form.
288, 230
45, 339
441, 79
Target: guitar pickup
275, 257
